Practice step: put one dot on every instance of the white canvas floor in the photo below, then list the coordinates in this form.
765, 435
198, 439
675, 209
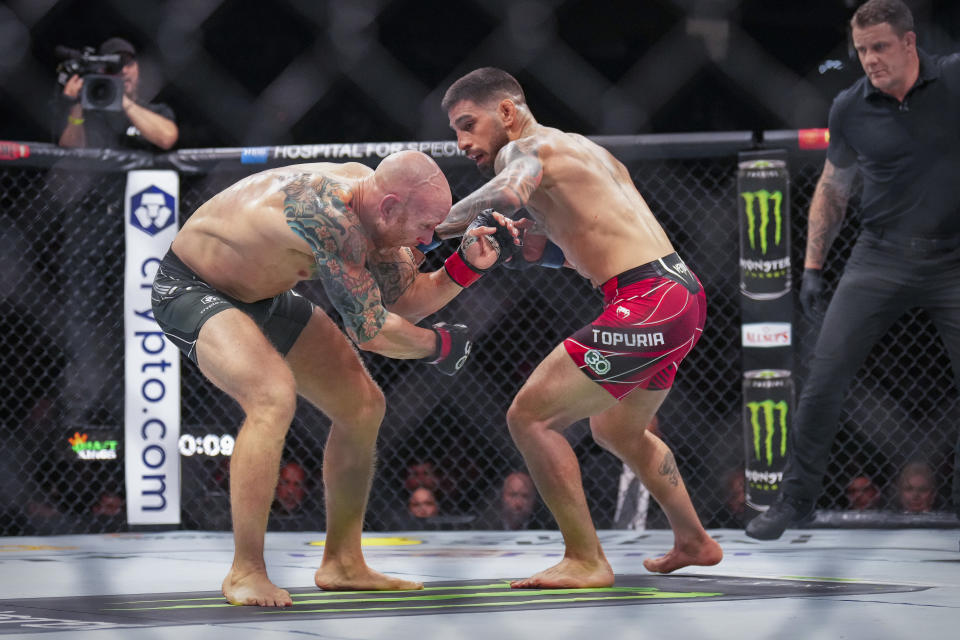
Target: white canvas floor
875, 584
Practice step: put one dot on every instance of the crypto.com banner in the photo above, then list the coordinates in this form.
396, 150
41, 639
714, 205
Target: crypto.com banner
152, 364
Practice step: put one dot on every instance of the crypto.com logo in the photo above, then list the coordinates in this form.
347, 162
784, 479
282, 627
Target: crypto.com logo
151, 210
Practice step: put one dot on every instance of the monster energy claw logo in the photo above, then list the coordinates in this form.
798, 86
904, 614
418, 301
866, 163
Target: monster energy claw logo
764, 211
763, 199
595, 360
765, 418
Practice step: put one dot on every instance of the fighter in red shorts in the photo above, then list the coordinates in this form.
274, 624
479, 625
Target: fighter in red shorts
616, 371
652, 317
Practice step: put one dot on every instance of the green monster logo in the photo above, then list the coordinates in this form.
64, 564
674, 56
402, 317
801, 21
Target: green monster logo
763, 199
768, 410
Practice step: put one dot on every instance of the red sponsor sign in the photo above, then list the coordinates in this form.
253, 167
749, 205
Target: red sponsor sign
813, 138
13, 150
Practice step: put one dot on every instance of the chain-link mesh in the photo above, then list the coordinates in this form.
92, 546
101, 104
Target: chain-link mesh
61, 297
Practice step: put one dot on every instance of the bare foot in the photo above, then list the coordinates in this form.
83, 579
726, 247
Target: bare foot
334, 578
703, 553
569, 574
254, 589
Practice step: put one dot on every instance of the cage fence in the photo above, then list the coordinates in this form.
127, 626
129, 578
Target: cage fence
61, 333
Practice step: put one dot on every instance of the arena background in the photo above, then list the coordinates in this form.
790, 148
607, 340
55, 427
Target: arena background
294, 72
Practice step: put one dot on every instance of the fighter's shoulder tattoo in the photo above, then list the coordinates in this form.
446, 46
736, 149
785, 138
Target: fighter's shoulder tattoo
394, 270
518, 173
519, 150
520, 169
318, 210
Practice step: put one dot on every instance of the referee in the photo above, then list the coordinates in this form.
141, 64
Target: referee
900, 125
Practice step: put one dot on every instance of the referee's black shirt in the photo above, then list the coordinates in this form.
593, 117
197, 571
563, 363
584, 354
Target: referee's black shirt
908, 153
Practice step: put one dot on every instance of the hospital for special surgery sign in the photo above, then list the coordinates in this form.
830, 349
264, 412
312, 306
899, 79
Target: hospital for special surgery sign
152, 363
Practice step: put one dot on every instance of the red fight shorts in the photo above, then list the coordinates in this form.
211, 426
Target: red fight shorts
652, 316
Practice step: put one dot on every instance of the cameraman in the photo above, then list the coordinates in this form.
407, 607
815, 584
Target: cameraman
138, 126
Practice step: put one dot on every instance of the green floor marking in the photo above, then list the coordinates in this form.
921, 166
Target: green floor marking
347, 596
310, 594
646, 596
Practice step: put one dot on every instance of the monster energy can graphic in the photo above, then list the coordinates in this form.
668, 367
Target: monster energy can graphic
767, 411
764, 208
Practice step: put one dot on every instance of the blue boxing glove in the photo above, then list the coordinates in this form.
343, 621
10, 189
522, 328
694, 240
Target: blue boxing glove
453, 347
551, 257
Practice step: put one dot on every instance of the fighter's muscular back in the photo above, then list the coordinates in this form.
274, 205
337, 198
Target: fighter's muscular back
587, 203
242, 240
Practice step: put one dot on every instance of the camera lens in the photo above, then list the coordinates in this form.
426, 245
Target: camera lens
102, 92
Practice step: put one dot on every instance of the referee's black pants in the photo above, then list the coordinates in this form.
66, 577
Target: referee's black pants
885, 276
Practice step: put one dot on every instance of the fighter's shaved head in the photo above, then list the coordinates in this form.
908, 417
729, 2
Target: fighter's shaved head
415, 178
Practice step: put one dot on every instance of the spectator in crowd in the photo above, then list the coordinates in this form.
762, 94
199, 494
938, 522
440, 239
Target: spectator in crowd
291, 488
294, 508
110, 503
420, 510
108, 511
421, 473
137, 125
916, 488
206, 502
515, 507
862, 494
422, 503
430, 475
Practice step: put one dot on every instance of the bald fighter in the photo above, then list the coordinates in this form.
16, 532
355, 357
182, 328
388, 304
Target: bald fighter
223, 294
618, 369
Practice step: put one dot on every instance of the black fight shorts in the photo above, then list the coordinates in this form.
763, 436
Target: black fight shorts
182, 303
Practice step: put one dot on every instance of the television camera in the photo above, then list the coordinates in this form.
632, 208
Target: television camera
102, 80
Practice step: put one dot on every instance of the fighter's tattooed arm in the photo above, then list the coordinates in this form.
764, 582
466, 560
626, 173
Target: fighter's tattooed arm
318, 210
668, 469
394, 270
519, 172
827, 210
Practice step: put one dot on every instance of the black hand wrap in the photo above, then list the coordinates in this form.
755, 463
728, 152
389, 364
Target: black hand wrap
460, 269
811, 295
453, 347
502, 236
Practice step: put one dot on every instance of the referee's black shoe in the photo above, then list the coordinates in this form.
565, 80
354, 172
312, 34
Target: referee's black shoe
784, 512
